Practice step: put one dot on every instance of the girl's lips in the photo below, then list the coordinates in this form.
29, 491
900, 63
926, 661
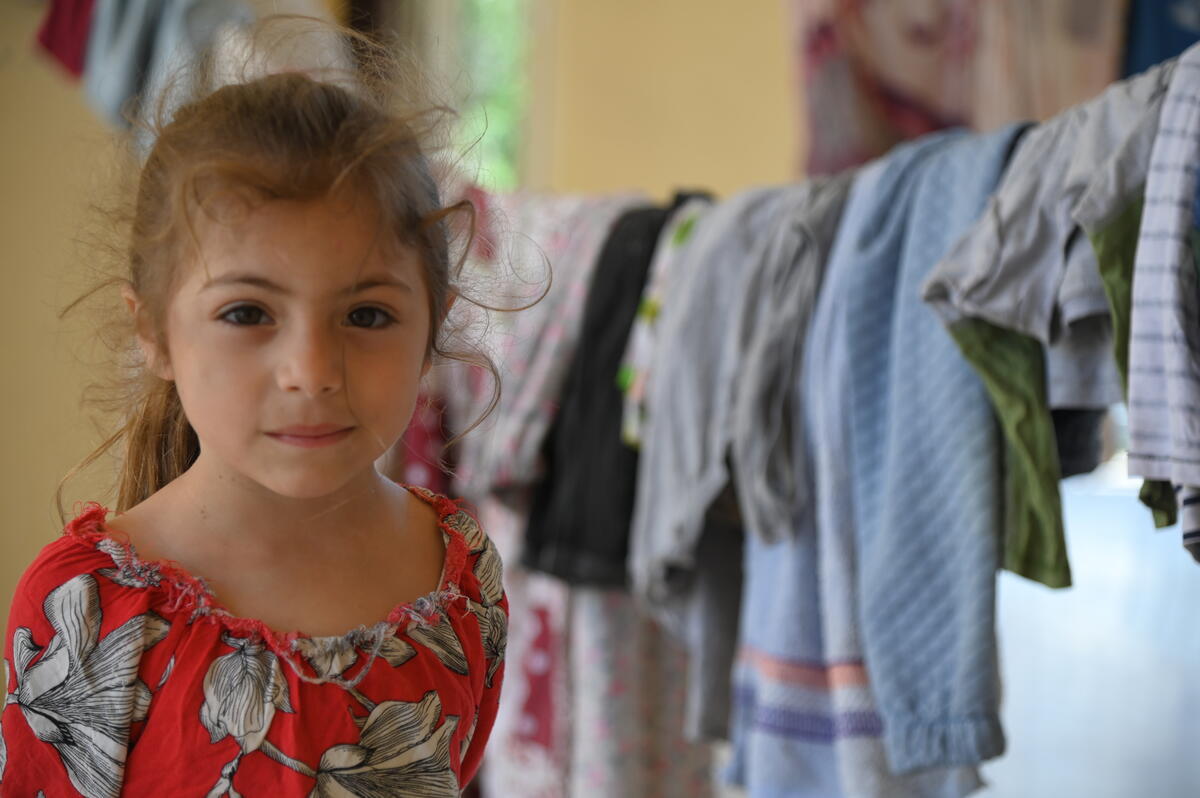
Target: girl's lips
293, 437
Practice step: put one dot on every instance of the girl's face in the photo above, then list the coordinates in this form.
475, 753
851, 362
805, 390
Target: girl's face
297, 345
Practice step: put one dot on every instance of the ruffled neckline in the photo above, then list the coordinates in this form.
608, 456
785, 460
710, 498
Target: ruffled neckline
191, 594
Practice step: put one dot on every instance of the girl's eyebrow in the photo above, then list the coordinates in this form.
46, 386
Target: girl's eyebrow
268, 285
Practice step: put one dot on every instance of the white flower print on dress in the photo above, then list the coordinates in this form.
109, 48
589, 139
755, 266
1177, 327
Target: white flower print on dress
396, 651
488, 570
466, 741
83, 692
242, 691
466, 526
441, 639
493, 630
401, 751
166, 672
330, 658
489, 573
130, 571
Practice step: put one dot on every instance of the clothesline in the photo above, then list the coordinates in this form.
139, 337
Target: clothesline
829, 360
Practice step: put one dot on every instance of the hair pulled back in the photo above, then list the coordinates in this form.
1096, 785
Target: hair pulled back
283, 134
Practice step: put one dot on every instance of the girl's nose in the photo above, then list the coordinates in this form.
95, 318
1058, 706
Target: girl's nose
313, 363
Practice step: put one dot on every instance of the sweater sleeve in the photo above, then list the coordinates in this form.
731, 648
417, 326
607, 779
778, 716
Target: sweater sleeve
73, 647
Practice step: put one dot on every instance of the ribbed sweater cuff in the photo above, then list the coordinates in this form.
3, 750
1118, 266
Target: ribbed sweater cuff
915, 745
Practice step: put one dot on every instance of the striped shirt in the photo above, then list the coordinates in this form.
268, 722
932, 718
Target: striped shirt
1164, 346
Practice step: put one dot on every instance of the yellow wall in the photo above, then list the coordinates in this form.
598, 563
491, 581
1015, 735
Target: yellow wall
50, 147
658, 94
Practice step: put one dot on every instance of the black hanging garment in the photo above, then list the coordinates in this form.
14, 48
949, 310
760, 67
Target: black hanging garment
579, 523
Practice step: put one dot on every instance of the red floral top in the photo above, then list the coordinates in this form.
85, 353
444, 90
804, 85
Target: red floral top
122, 674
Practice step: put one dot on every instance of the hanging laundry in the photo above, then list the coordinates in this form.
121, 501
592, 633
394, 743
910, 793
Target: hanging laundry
627, 700
1023, 282
531, 751
683, 466
1109, 212
579, 525
784, 727
536, 345
671, 250
64, 32
135, 45
768, 449
1164, 342
873, 611
1114, 237
628, 703
680, 555
839, 670
525, 241
1079, 440
1189, 512
924, 459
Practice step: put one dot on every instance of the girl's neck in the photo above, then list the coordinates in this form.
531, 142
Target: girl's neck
231, 506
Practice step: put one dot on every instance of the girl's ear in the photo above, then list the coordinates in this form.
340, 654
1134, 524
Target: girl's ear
156, 357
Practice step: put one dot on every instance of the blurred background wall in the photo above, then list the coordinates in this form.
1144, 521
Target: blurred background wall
52, 152
658, 95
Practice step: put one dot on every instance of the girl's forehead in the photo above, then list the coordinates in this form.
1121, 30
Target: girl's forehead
327, 243
326, 220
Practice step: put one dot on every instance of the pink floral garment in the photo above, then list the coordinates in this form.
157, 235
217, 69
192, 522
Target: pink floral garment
519, 237
628, 680
124, 675
526, 235
542, 243
594, 696
530, 752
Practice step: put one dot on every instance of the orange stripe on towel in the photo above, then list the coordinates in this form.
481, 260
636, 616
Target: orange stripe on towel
806, 674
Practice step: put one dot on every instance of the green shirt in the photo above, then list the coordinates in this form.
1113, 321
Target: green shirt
1115, 244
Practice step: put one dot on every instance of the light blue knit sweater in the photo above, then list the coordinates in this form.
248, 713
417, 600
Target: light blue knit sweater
927, 488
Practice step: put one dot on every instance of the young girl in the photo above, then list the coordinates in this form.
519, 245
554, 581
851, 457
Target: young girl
265, 614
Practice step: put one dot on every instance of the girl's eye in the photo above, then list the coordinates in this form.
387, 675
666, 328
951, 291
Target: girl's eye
369, 318
245, 316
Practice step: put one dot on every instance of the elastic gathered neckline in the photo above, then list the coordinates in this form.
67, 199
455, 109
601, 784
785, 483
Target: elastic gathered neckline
189, 593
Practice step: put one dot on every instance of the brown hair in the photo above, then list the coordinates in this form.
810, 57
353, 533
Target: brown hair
288, 135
